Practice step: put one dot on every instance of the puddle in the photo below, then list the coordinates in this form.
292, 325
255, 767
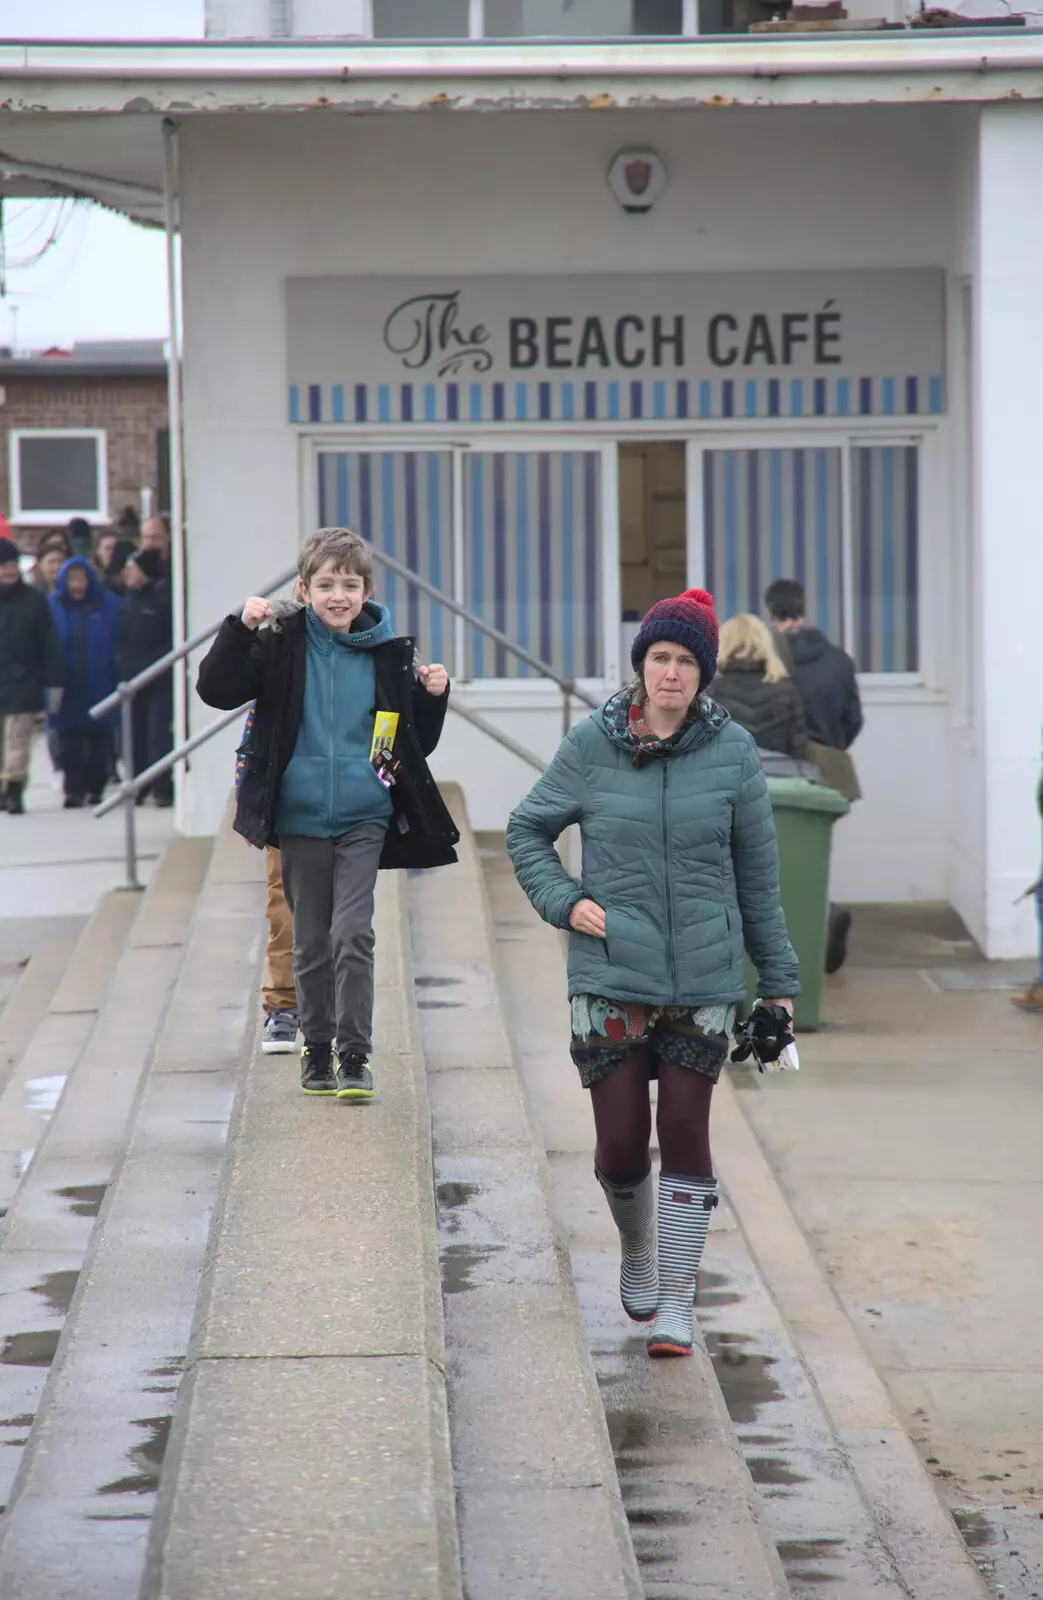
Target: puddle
772, 1471
439, 1005
460, 1260
146, 1456
452, 1194
1006, 1545
744, 1375
36, 1349
712, 1292
58, 1288
800, 1558
84, 1198
435, 983
43, 1094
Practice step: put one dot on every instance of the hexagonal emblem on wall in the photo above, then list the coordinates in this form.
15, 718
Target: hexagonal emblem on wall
637, 178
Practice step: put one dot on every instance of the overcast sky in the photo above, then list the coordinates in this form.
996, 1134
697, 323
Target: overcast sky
104, 278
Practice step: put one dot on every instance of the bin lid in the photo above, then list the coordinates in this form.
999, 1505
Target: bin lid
800, 794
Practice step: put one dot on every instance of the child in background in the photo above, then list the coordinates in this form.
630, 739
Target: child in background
278, 993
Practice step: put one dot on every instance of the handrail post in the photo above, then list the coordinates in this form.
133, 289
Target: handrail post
126, 695
566, 706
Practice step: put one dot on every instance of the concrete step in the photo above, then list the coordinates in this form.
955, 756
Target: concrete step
100, 1028
778, 1436
30, 996
538, 1500
96, 1454
38, 1079
309, 1455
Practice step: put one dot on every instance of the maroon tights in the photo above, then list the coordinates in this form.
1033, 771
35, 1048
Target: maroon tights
623, 1120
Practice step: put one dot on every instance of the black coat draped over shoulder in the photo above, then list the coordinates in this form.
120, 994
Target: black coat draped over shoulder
267, 666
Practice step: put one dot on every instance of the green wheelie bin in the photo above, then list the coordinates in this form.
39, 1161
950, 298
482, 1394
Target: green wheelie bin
804, 813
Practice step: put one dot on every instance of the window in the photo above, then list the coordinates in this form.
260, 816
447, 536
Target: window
528, 562
533, 19
401, 502
421, 19
532, 521
58, 474
581, 19
787, 513
886, 557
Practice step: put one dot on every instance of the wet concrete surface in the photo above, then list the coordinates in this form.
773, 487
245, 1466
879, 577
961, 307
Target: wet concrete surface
909, 1152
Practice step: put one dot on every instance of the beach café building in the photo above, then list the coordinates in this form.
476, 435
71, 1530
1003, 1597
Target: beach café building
567, 325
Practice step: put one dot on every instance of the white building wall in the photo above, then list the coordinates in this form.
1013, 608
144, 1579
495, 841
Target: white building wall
265, 199
1009, 427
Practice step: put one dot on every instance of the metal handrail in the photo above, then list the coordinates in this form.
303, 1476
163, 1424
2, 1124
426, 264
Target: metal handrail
125, 693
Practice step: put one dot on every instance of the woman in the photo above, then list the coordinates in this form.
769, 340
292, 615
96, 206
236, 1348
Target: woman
46, 569
755, 689
680, 864
143, 634
85, 617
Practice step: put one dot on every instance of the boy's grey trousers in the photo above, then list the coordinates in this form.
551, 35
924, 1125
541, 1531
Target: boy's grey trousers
329, 886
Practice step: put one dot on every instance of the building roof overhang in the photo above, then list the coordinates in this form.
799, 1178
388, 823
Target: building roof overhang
86, 118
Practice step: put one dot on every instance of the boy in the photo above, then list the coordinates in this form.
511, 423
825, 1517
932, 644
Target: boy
314, 783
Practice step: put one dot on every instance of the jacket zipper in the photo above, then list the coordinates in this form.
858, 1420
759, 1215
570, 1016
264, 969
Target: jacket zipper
331, 765
669, 886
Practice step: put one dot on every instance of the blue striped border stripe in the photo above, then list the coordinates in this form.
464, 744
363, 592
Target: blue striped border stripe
616, 400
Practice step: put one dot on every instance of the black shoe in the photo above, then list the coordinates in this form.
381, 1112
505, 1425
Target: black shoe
836, 939
13, 801
317, 1069
95, 799
72, 802
354, 1079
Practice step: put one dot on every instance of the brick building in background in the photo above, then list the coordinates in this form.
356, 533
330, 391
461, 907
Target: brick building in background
84, 433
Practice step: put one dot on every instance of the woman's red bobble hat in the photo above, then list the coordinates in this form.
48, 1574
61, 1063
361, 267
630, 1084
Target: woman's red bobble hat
689, 620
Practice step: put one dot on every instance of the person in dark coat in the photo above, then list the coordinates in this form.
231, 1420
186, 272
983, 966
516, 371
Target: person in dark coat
81, 540
823, 673
334, 772
30, 672
754, 687
143, 634
85, 616
826, 682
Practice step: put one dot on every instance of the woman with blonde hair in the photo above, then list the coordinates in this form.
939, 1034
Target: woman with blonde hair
754, 687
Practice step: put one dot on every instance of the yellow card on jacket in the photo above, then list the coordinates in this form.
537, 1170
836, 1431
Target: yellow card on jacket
385, 727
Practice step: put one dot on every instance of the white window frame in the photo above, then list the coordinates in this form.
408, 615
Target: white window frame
41, 519
492, 693
846, 434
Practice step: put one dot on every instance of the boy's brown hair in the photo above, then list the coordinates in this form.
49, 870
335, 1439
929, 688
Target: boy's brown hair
348, 551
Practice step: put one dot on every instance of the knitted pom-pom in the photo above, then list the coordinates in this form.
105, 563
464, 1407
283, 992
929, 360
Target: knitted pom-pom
698, 597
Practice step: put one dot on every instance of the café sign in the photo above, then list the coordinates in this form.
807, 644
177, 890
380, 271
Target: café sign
612, 347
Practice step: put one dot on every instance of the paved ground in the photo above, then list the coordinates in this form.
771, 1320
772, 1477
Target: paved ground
55, 865
909, 1149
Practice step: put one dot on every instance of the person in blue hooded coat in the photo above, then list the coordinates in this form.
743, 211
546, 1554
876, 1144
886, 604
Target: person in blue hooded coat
85, 616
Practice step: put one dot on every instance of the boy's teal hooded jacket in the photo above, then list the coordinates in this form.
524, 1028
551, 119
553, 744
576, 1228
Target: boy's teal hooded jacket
679, 850
330, 785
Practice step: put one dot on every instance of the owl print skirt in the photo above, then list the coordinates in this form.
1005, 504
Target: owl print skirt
604, 1032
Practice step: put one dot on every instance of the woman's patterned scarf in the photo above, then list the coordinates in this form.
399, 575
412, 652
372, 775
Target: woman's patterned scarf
629, 719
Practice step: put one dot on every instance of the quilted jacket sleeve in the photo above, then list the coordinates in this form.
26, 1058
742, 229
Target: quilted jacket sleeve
552, 805
755, 855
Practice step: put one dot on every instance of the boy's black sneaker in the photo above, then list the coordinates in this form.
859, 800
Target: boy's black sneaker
317, 1069
354, 1079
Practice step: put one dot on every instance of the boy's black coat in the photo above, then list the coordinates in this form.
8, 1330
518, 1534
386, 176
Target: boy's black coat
267, 666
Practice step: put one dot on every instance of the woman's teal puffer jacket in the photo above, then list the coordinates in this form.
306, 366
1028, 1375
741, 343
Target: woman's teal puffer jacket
681, 853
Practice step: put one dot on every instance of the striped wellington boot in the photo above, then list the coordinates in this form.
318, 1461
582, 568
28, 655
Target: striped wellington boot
633, 1210
685, 1205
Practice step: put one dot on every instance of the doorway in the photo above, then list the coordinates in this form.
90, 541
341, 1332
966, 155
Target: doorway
653, 538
